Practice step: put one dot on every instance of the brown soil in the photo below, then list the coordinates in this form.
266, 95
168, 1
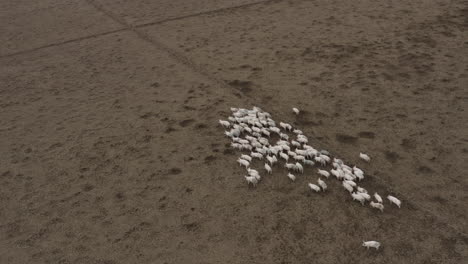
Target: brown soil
111, 152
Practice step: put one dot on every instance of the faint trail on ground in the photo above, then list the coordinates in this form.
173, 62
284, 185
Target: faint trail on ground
62, 43
224, 9
128, 26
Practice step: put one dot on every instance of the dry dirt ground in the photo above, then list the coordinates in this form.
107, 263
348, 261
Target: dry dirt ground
110, 151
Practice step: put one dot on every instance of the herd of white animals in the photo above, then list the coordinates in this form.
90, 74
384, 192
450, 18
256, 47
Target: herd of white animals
252, 130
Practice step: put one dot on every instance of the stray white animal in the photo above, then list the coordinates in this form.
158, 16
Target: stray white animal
324, 173
295, 110
364, 157
377, 206
394, 200
267, 168
371, 244
314, 187
378, 198
322, 184
291, 176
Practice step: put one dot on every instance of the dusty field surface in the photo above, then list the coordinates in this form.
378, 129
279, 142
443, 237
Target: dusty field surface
111, 152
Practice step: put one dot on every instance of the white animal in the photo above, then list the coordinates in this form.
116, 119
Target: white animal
320, 160
291, 176
246, 146
283, 125
350, 183
337, 174
251, 180
290, 166
284, 136
378, 198
365, 195
371, 244
275, 130
254, 173
338, 162
236, 146
322, 184
349, 176
295, 110
314, 187
271, 160
297, 131
299, 158
302, 139
309, 162
377, 206
256, 155
359, 175
274, 150
361, 190
243, 162
357, 170
301, 152
394, 200
264, 141
348, 187
274, 159
246, 157
325, 157
295, 143
243, 141
267, 168
324, 173
299, 167
364, 157
224, 123
358, 197
284, 156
